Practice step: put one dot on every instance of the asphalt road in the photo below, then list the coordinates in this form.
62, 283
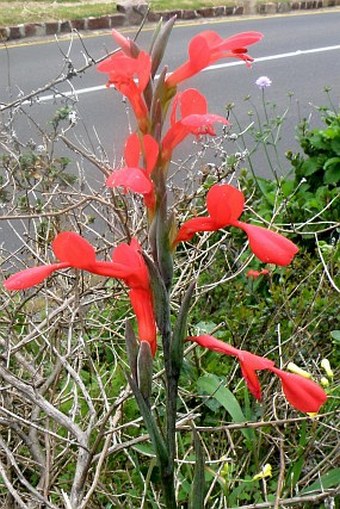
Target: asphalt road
299, 53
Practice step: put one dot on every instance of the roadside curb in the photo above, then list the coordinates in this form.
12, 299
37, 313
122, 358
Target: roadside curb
124, 18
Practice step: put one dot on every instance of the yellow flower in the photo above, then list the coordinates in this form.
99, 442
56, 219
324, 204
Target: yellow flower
265, 472
298, 371
312, 414
324, 381
325, 364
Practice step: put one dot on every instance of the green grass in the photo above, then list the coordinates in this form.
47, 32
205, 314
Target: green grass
17, 12
13, 12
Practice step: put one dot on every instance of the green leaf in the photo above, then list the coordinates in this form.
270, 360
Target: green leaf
336, 335
132, 348
332, 171
144, 370
180, 330
311, 165
150, 423
326, 481
212, 385
196, 499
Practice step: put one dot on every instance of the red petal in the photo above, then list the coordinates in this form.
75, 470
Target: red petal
194, 225
32, 276
302, 393
132, 150
199, 53
251, 363
192, 101
214, 344
134, 179
129, 255
141, 302
268, 246
212, 38
257, 273
225, 204
72, 248
196, 121
144, 70
151, 150
241, 40
173, 137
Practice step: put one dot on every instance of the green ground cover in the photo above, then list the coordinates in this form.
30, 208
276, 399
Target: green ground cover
14, 12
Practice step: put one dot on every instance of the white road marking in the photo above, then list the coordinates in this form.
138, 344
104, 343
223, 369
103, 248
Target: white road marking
75, 93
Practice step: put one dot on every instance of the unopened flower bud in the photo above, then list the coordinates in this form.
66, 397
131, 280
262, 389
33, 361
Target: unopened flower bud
298, 371
324, 382
325, 364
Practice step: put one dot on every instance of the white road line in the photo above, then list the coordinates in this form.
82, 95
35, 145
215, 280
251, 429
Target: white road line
215, 67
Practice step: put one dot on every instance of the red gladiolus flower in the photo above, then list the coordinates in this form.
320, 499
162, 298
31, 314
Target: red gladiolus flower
194, 119
257, 273
249, 362
133, 176
208, 47
127, 264
303, 394
225, 205
130, 77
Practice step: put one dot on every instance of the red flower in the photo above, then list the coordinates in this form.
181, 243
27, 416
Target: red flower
208, 47
225, 205
194, 119
141, 298
127, 264
133, 176
130, 77
303, 394
257, 273
249, 362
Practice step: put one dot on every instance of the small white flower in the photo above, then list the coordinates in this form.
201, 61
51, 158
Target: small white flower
263, 82
73, 117
40, 149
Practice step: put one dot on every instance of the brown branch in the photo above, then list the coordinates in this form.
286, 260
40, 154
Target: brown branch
293, 501
29, 393
39, 215
64, 77
242, 425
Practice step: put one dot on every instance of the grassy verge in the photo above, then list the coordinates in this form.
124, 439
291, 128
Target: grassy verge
13, 12
18, 12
